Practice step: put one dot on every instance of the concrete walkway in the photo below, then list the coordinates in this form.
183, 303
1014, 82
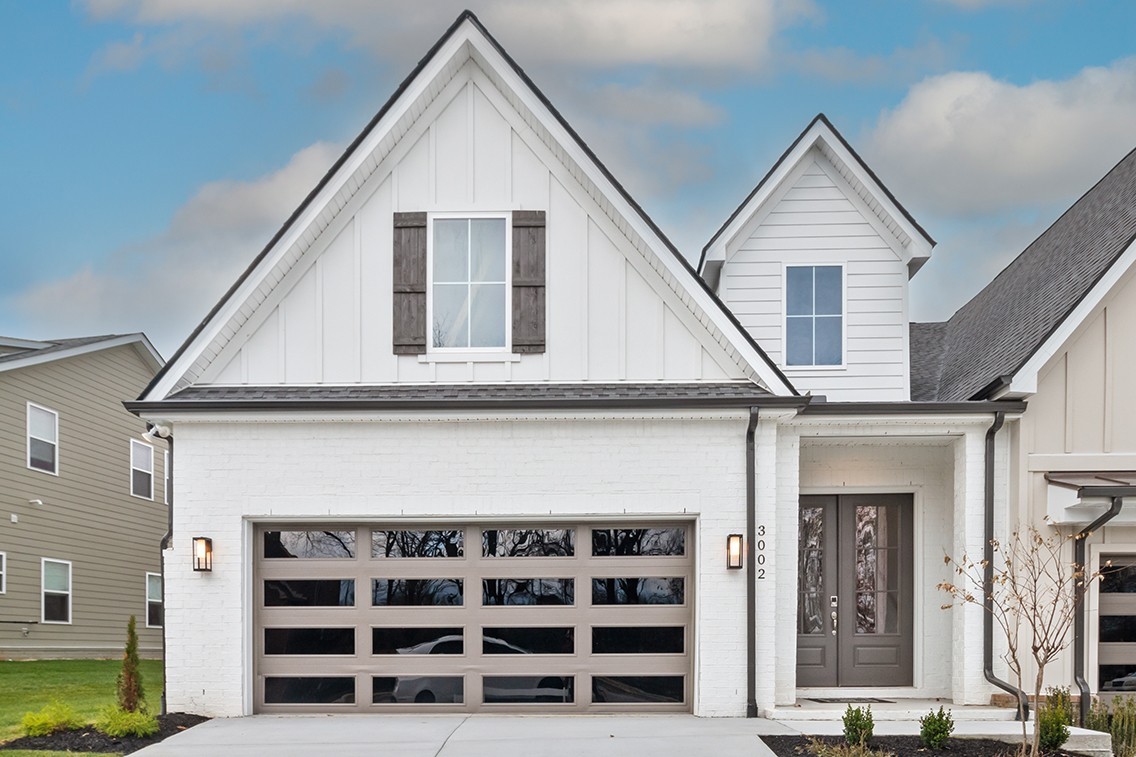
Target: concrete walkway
470, 736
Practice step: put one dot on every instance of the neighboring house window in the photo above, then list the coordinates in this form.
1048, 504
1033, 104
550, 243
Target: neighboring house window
155, 613
56, 591
141, 469
464, 282
468, 295
3, 572
814, 315
43, 439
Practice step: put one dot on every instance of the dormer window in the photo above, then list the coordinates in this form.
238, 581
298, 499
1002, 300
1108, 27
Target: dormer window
814, 315
468, 296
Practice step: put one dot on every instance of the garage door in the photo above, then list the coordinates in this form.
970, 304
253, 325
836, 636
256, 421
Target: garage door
564, 617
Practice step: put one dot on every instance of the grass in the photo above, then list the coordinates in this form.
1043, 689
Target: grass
44, 753
86, 685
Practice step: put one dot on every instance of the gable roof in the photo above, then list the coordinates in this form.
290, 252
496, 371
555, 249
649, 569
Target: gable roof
990, 339
468, 35
822, 134
48, 350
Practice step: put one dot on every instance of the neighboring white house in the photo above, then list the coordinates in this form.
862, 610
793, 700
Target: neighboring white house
470, 434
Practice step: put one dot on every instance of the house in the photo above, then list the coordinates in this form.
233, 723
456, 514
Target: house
470, 434
82, 498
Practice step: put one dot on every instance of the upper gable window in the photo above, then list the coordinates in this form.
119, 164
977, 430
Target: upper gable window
43, 439
814, 315
141, 469
468, 296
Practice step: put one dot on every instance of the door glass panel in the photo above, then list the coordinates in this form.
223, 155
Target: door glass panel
417, 544
416, 591
537, 542
634, 542
638, 640
439, 641
309, 690
865, 612
810, 571
519, 689
528, 641
304, 593
1118, 629
637, 591
877, 569
418, 690
309, 544
528, 591
636, 689
309, 641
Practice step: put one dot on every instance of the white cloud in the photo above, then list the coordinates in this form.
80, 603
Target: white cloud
591, 33
841, 64
166, 284
968, 144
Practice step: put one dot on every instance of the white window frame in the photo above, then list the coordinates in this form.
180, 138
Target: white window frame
843, 364
473, 352
161, 600
43, 592
3, 572
150, 497
165, 476
28, 438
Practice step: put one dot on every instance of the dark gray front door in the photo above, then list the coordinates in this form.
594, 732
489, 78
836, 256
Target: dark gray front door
855, 593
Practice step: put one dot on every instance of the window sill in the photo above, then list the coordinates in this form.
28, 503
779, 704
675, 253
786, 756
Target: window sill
788, 369
469, 357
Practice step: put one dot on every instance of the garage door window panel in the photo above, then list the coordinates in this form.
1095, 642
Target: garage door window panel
637, 689
514, 542
638, 640
418, 641
411, 544
528, 591
638, 591
529, 689
310, 545
417, 592
310, 593
1117, 625
418, 690
309, 690
525, 641
309, 641
639, 542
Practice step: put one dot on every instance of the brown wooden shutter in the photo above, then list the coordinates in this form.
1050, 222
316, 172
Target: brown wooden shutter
410, 283
528, 281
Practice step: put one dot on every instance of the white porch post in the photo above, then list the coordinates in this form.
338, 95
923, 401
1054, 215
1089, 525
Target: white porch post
968, 686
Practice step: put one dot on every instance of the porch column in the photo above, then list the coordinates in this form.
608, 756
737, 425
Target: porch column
968, 686
775, 547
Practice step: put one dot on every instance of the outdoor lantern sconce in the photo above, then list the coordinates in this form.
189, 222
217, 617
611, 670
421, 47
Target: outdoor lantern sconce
202, 553
734, 551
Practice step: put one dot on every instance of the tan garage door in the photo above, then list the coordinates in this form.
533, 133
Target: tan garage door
564, 617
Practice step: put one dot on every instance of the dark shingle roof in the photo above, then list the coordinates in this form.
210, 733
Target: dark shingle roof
995, 333
500, 396
926, 359
56, 345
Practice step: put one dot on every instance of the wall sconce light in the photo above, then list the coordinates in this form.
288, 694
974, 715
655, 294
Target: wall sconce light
202, 553
734, 551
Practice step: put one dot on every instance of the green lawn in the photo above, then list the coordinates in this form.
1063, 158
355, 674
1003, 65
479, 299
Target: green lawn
86, 685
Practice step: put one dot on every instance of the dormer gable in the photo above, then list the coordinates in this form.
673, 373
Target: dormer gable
815, 263
578, 284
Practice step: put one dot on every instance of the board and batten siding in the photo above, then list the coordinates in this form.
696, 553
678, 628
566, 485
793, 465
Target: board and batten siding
815, 218
610, 316
88, 515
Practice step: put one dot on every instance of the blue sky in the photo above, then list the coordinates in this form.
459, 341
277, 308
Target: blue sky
149, 148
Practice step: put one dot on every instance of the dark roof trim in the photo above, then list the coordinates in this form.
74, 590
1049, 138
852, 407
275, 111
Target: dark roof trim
912, 408
1107, 491
823, 119
999, 384
504, 404
425, 61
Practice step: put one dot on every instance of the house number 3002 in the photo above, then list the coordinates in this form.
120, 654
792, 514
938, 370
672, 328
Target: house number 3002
759, 551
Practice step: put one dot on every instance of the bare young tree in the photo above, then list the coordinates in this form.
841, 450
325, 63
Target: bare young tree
1034, 596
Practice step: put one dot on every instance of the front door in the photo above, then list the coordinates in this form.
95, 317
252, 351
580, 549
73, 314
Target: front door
854, 612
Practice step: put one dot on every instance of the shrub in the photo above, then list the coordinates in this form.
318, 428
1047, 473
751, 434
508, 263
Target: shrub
1098, 717
1123, 727
1058, 698
119, 723
54, 717
824, 749
935, 728
858, 725
129, 684
1051, 726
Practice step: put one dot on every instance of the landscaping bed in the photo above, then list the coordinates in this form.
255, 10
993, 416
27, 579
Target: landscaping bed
902, 746
87, 739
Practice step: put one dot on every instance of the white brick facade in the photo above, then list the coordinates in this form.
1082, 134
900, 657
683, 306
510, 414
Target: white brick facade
231, 474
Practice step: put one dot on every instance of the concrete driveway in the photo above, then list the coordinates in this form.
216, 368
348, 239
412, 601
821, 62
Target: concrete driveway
470, 736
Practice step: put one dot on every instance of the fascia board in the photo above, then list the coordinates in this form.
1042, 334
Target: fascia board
22, 344
145, 349
1024, 381
631, 215
314, 209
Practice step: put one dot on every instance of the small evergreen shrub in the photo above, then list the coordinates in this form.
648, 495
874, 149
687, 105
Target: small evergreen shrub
1051, 727
53, 718
1123, 727
935, 728
129, 683
1058, 698
1098, 717
858, 725
120, 723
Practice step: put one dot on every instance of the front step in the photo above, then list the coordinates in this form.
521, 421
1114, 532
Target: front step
891, 710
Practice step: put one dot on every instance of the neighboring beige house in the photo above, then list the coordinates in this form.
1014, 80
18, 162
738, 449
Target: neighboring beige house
82, 499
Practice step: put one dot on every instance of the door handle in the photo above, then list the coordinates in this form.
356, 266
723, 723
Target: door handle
834, 622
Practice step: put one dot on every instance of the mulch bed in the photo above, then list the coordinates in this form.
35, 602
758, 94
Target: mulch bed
89, 740
902, 746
